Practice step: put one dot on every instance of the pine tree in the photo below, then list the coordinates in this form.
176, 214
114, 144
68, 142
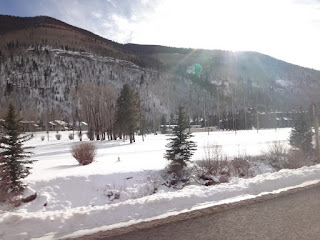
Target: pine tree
14, 155
127, 113
301, 134
180, 149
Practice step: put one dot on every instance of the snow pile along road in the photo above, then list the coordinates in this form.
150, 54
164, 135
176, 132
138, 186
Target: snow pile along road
81, 220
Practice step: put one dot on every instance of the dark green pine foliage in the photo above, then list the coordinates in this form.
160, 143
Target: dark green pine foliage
14, 155
127, 113
301, 133
180, 148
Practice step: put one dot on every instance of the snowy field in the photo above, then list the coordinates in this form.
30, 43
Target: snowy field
74, 200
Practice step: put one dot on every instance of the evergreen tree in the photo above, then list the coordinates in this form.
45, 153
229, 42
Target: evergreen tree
14, 155
127, 113
301, 134
180, 149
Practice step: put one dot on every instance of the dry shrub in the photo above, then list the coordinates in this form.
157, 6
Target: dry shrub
113, 194
211, 172
71, 136
151, 185
277, 149
42, 138
213, 152
216, 168
58, 136
84, 153
276, 154
241, 167
296, 158
176, 175
279, 157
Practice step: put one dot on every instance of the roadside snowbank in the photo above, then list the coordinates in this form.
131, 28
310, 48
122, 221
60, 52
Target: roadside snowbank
80, 220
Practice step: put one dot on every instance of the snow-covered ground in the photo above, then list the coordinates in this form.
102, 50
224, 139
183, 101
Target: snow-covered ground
74, 200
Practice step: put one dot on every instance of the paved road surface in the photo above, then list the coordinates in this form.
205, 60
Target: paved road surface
286, 216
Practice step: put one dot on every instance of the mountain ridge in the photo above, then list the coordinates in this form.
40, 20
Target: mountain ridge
42, 21
50, 57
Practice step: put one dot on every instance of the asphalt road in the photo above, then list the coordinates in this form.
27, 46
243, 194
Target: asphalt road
287, 216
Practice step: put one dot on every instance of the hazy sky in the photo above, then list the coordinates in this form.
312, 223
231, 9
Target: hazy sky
285, 29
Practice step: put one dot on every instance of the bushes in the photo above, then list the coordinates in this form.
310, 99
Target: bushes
297, 158
145, 185
58, 136
71, 136
214, 171
84, 153
279, 157
276, 154
216, 168
213, 152
177, 176
211, 172
112, 193
241, 167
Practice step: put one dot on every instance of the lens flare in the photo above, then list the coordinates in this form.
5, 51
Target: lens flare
197, 69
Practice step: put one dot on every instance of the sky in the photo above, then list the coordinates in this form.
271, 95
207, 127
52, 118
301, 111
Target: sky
285, 29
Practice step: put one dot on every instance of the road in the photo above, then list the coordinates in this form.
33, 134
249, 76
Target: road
291, 215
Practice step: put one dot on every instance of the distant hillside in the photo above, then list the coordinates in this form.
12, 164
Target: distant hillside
251, 77
11, 23
43, 58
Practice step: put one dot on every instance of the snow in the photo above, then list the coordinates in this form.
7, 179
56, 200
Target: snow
88, 55
284, 83
74, 200
60, 122
28, 192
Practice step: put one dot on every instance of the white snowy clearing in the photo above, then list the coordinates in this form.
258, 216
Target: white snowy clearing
74, 200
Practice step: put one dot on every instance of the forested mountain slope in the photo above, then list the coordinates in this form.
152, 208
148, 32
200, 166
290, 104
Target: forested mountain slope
45, 62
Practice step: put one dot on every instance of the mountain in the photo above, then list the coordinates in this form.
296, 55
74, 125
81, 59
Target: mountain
43, 60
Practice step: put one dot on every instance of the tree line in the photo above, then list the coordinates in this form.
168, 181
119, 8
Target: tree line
109, 115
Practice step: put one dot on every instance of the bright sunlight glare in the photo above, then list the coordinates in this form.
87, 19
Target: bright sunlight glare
277, 28
284, 29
